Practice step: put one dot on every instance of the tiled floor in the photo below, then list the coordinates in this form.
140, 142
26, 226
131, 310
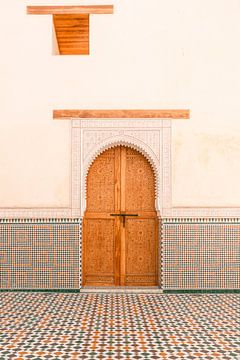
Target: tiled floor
119, 326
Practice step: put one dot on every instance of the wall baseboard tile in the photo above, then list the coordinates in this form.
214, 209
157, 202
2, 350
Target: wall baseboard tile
189, 220
200, 254
43, 290
41, 254
45, 254
40, 220
203, 291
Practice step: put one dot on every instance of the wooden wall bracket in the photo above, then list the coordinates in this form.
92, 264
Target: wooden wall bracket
71, 25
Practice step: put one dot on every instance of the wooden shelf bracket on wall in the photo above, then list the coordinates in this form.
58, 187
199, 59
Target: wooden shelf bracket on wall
71, 25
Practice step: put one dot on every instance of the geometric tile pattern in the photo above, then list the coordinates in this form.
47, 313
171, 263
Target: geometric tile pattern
200, 255
46, 254
39, 255
119, 326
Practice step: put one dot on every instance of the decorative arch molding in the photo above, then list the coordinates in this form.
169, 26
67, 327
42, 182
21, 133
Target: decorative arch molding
152, 138
123, 140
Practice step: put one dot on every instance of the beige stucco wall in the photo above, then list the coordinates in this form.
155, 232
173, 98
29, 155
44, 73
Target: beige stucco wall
149, 54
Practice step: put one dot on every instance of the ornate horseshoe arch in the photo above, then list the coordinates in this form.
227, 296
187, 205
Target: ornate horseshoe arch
124, 141
91, 137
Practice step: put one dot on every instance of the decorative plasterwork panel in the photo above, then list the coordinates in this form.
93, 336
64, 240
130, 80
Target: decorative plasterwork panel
91, 137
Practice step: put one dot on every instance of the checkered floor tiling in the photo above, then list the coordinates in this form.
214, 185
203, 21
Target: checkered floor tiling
119, 326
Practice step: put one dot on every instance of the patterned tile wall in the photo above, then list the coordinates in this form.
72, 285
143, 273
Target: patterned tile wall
39, 254
201, 254
46, 254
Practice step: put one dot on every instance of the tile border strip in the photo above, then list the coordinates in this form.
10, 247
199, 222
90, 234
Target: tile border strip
221, 220
203, 212
202, 291
42, 290
41, 221
178, 291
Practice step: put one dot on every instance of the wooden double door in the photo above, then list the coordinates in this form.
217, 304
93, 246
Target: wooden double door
120, 228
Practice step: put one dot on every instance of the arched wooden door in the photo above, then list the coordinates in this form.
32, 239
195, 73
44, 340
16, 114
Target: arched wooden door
120, 228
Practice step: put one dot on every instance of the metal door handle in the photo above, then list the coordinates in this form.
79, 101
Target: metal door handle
123, 214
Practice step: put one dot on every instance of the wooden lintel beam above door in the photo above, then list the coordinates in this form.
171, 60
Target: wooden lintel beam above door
119, 114
54, 10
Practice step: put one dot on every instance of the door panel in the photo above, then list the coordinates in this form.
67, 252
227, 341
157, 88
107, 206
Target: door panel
141, 251
118, 249
99, 257
139, 182
100, 184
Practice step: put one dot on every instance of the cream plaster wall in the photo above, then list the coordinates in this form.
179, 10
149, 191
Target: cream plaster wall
149, 54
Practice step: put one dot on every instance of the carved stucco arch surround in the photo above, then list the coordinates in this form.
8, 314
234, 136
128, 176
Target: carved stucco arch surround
151, 138
131, 142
